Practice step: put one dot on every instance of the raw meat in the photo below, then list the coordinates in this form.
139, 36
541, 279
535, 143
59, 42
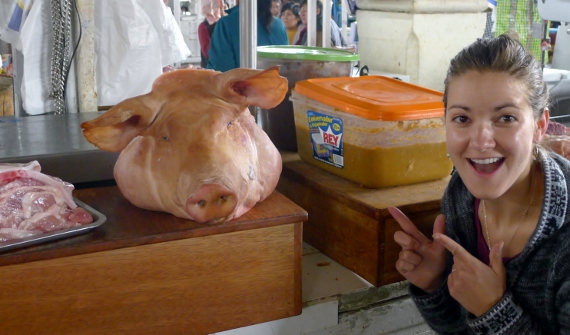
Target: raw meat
557, 129
557, 139
32, 203
191, 147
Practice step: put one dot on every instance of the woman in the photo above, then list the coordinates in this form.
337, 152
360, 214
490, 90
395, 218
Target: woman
337, 39
505, 211
275, 7
291, 19
225, 44
212, 10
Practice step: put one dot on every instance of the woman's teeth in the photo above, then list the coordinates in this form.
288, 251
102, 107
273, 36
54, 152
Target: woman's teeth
485, 161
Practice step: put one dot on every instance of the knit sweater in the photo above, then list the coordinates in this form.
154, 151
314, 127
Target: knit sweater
537, 298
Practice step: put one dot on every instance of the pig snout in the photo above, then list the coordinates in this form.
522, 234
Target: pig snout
212, 203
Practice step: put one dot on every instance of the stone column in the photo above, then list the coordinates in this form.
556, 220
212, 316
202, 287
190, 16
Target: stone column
85, 58
417, 38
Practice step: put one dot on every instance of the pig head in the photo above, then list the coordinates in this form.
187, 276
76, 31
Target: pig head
191, 147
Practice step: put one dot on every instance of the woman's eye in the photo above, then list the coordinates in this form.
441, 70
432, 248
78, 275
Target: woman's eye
461, 119
507, 118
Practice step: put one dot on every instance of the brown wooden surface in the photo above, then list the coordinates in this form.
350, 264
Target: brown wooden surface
146, 272
129, 226
189, 286
348, 222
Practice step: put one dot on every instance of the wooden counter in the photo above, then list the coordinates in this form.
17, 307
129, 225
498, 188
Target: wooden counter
350, 223
145, 272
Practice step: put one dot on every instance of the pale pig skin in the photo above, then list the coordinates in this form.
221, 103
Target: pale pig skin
190, 147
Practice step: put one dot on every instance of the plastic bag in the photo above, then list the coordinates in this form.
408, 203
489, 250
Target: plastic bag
134, 40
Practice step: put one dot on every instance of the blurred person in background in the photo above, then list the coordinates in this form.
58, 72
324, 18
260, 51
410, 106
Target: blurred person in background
291, 19
276, 7
337, 39
212, 10
224, 51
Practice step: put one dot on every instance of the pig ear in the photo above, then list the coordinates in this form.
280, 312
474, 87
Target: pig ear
115, 129
262, 88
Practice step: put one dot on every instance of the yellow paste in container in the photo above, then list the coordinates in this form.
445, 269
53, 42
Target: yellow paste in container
383, 167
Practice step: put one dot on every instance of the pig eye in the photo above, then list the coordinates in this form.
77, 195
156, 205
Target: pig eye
229, 123
165, 138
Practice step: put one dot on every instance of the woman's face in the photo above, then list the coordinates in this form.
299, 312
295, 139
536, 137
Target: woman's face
289, 19
490, 132
303, 14
275, 8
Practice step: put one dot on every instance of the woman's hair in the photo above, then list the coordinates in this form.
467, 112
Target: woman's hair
502, 54
294, 8
264, 13
319, 16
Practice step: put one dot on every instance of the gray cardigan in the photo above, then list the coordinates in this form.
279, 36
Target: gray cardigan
537, 300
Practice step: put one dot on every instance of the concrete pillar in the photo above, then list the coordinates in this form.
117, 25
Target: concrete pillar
417, 38
85, 58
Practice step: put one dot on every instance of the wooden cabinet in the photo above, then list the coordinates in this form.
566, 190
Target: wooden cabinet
145, 272
351, 223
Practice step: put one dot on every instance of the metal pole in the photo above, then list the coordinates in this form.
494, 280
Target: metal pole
248, 39
344, 18
326, 24
311, 23
248, 34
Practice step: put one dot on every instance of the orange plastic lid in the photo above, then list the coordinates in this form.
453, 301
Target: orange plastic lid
374, 97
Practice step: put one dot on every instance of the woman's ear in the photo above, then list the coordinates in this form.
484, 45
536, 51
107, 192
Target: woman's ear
541, 126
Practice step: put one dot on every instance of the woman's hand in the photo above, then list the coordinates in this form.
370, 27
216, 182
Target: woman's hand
421, 260
476, 286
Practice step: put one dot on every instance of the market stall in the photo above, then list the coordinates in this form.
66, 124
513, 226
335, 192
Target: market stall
140, 271
350, 146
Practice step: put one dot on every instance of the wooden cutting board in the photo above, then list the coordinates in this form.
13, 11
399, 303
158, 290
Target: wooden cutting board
145, 272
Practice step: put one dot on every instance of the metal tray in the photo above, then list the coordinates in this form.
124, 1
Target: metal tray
98, 219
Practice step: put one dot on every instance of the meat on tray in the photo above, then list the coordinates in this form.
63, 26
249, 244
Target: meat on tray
33, 203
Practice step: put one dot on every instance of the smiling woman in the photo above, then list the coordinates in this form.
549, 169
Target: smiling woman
497, 263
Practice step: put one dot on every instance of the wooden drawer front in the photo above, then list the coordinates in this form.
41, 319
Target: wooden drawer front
347, 236
191, 286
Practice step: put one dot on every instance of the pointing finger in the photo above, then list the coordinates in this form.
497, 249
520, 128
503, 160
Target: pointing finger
453, 247
406, 241
407, 226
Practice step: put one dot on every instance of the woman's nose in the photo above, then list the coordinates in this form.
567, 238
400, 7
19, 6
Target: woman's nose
482, 137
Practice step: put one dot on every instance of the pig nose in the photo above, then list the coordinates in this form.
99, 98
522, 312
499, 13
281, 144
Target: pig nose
212, 203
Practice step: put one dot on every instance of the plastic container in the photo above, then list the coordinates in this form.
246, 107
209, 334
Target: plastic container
373, 130
298, 63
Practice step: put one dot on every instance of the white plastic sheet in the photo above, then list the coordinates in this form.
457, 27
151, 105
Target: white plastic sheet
135, 39
27, 27
35, 42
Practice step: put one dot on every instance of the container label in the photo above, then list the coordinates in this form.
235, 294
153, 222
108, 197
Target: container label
325, 132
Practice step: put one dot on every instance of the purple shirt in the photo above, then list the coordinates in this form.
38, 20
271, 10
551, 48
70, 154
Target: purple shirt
482, 248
